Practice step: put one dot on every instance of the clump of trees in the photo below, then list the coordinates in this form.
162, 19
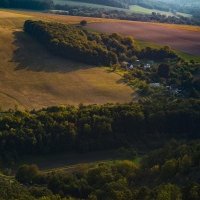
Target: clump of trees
157, 54
92, 48
83, 23
78, 44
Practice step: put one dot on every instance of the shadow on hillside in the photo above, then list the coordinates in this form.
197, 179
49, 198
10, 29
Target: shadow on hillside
31, 55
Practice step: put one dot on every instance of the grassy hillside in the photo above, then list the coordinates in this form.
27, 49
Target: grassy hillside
32, 78
142, 10
139, 9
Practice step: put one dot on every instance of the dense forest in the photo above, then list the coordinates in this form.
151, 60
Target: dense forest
93, 48
112, 3
169, 173
27, 4
144, 125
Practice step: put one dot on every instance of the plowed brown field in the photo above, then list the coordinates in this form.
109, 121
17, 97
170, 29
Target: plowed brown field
174, 36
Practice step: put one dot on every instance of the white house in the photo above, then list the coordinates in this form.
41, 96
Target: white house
154, 84
147, 66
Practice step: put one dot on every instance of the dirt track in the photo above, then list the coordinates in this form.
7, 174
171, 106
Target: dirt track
184, 40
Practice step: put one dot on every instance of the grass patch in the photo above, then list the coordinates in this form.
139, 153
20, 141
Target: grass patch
142, 10
185, 56
74, 161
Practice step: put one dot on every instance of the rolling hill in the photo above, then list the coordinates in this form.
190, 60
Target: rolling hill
31, 77
129, 7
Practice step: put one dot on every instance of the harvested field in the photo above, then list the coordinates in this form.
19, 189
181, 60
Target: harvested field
66, 19
31, 77
4, 14
176, 37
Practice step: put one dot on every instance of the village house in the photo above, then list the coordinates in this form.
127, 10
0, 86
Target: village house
147, 66
154, 84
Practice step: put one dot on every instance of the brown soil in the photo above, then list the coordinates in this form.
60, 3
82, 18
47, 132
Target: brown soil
184, 40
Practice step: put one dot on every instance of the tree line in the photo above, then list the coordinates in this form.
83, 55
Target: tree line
112, 3
150, 4
124, 15
171, 172
92, 48
94, 127
27, 4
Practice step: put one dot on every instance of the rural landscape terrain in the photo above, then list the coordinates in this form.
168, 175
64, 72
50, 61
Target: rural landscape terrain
99, 100
45, 80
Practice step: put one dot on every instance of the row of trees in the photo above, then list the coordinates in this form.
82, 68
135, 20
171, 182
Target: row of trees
74, 43
93, 127
151, 4
123, 15
89, 47
27, 4
157, 54
171, 172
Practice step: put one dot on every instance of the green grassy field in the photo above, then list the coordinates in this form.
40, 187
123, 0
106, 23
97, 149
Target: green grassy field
142, 10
